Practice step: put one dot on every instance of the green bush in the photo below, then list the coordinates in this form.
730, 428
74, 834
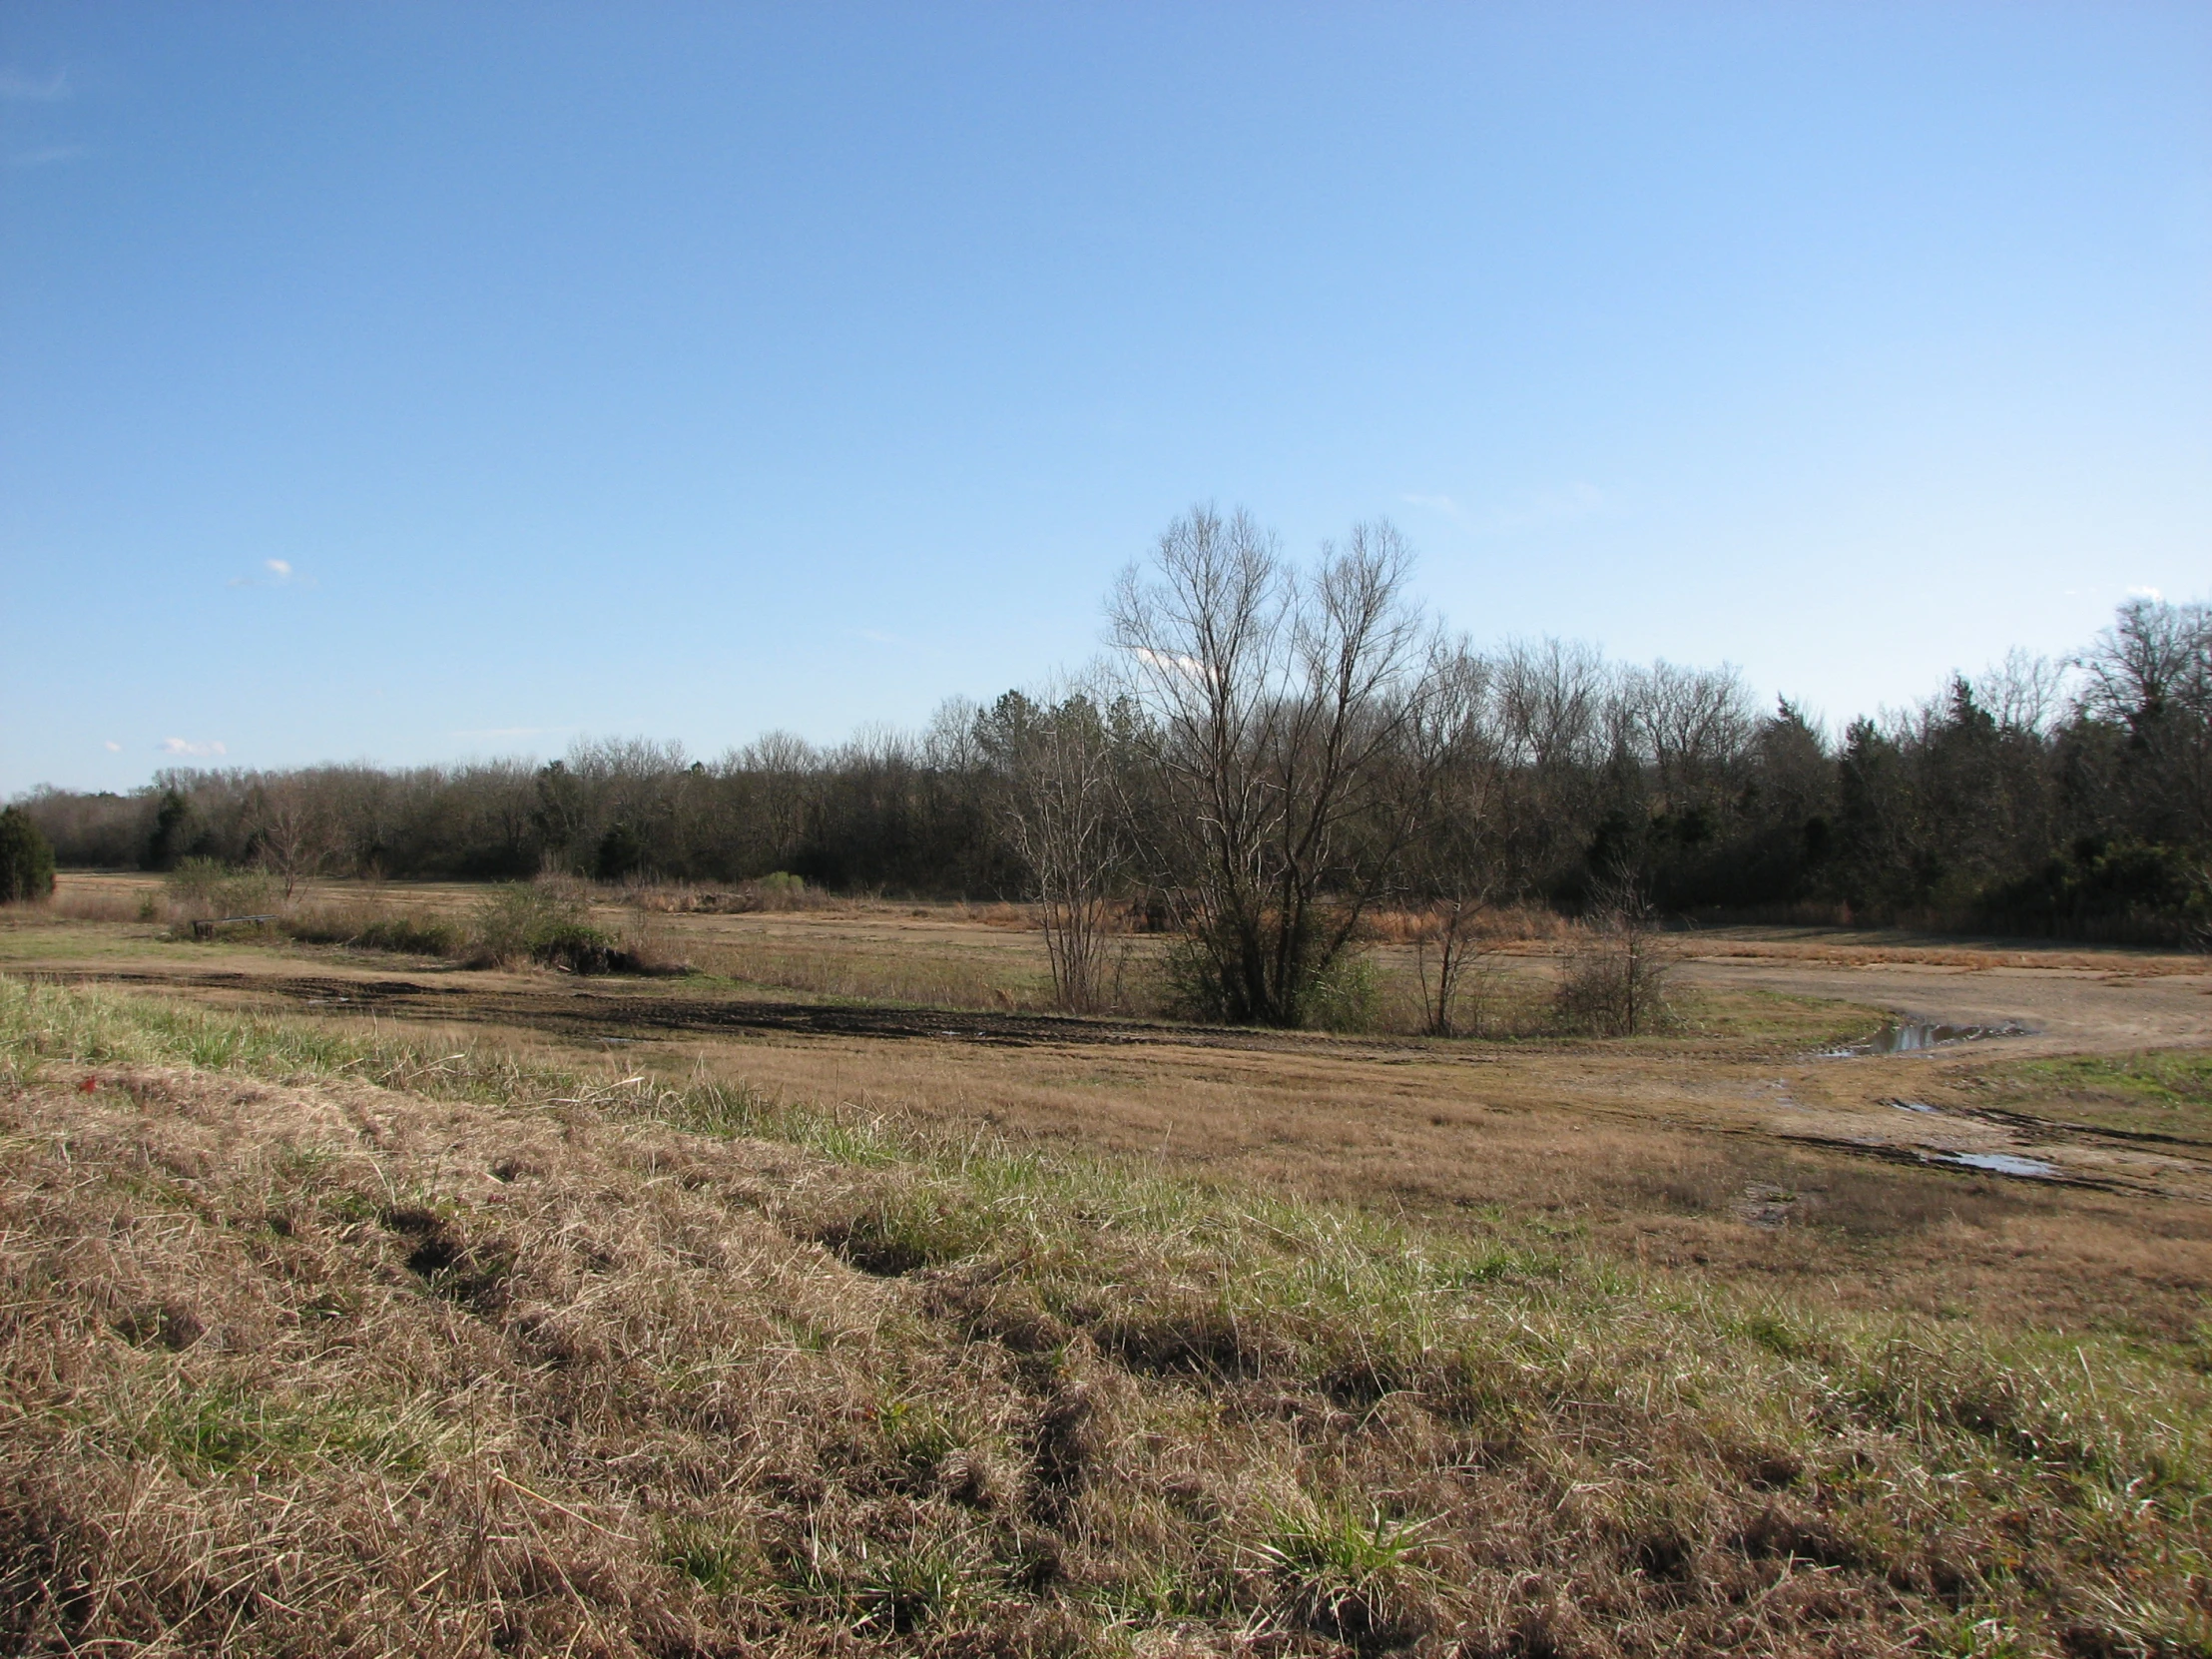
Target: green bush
26, 858
1342, 995
204, 888
414, 935
545, 921
1347, 995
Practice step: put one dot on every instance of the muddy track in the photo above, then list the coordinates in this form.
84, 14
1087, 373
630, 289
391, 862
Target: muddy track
1890, 1151
596, 1013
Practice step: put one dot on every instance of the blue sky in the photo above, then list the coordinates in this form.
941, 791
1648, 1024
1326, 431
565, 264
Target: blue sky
413, 381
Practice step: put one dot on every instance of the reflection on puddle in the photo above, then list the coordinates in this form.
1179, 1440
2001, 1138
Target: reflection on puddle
1918, 1036
1997, 1163
1913, 1106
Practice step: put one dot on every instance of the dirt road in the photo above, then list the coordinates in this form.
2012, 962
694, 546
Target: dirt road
2070, 1010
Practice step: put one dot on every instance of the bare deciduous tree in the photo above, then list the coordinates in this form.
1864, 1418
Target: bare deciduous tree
1457, 855
1061, 812
1275, 706
293, 836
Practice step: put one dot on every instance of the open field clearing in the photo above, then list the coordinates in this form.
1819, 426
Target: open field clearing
1730, 1147
678, 1313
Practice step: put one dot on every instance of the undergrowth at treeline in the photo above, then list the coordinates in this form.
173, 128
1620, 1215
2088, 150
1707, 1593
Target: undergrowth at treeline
677, 1367
547, 921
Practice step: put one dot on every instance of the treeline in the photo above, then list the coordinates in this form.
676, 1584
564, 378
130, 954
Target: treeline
2071, 797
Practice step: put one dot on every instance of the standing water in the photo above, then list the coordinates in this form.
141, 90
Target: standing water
1918, 1036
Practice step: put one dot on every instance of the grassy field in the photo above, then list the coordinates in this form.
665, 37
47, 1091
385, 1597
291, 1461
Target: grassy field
362, 1302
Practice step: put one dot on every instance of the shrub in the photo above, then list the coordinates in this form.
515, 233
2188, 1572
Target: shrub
374, 929
1615, 980
26, 858
546, 922
1343, 993
200, 890
1347, 995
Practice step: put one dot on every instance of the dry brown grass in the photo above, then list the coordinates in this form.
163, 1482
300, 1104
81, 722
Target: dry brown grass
346, 1349
921, 979
1774, 944
78, 898
729, 898
1504, 924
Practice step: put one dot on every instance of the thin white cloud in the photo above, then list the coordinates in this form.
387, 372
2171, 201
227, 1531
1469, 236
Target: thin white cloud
19, 88
1190, 666
1533, 512
274, 573
1435, 504
2151, 594
112, 747
45, 154
184, 745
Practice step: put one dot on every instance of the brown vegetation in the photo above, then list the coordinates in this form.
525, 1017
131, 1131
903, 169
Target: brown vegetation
349, 1346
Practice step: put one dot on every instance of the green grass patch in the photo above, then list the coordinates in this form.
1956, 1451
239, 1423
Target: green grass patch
2152, 1091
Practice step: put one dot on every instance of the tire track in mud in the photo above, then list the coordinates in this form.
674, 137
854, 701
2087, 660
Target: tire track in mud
593, 1014
569, 1011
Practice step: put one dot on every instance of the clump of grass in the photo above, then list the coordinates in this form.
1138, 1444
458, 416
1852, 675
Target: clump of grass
684, 1405
1359, 1578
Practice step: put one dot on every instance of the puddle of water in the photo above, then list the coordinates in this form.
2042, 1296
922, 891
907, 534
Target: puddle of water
1999, 1163
1918, 1036
1913, 1106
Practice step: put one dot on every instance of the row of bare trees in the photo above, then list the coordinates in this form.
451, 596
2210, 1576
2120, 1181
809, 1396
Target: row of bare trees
1273, 749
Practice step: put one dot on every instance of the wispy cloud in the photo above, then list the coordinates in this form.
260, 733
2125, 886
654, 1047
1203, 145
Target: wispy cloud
46, 155
2152, 594
1533, 512
18, 88
184, 745
1169, 662
274, 573
112, 747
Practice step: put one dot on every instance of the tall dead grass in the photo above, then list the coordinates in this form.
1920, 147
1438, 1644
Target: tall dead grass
1504, 925
87, 901
780, 892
